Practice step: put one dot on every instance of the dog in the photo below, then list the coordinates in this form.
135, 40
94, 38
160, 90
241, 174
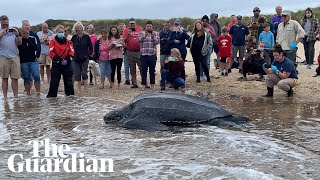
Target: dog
94, 71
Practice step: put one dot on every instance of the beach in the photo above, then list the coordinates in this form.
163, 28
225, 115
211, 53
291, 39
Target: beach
308, 87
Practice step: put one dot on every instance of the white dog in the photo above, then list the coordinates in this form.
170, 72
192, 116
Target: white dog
93, 67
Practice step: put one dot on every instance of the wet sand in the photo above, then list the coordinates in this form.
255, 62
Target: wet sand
308, 87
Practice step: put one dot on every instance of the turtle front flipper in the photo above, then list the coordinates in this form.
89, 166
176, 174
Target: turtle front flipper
228, 121
145, 122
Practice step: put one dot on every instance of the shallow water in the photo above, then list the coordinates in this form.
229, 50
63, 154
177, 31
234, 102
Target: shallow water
282, 143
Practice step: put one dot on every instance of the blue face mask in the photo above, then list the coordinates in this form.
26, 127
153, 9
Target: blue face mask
60, 35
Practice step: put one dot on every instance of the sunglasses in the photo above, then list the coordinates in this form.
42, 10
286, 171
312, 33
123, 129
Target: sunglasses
205, 21
284, 15
256, 11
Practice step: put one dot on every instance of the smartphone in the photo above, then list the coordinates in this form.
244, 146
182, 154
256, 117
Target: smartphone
11, 30
133, 29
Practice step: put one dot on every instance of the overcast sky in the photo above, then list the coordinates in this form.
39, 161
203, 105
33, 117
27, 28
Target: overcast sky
37, 11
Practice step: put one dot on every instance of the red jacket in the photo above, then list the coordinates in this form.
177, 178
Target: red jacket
56, 48
132, 43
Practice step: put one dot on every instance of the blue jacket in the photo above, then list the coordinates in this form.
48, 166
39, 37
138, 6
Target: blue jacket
31, 33
182, 36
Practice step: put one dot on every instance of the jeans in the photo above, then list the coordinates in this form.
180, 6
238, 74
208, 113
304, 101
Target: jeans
208, 61
105, 68
148, 62
126, 67
166, 76
309, 51
200, 60
30, 68
56, 72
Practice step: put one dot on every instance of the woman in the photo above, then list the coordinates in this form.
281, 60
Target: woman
28, 60
172, 71
311, 26
93, 38
82, 51
200, 43
67, 33
61, 51
115, 44
101, 53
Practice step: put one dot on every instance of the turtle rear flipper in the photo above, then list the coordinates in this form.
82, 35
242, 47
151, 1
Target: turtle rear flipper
145, 122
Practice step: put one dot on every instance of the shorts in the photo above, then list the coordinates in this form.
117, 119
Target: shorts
105, 68
45, 60
10, 67
223, 59
241, 50
80, 70
215, 48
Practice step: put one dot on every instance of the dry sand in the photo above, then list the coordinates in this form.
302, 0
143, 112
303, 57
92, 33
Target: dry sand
308, 88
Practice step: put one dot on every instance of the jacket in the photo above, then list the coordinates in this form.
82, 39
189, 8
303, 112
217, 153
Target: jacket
175, 68
164, 39
314, 31
61, 48
182, 36
207, 43
28, 49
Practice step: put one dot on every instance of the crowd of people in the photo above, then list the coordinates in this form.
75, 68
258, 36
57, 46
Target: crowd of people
258, 47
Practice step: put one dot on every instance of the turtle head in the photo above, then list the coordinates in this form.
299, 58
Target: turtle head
116, 115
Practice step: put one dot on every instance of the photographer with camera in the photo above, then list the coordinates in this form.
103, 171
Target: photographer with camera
9, 56
130, 35
281, 73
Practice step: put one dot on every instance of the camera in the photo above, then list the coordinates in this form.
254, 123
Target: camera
11, 30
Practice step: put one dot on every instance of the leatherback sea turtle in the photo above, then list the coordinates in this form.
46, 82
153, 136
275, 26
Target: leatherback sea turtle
159, 111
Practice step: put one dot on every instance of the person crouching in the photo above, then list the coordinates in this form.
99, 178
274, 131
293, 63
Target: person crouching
28, 61
60, 51
281, 73
172, 71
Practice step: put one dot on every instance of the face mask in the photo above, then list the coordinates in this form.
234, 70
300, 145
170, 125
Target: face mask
60, 35
308, 15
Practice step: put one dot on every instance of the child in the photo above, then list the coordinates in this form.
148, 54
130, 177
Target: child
224, 44
267, 36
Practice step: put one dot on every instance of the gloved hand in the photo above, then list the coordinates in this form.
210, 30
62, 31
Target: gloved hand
275, 69
264, 66
57, 59
64, 62
293, 45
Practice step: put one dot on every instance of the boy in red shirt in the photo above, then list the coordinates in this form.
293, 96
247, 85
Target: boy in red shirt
224, 44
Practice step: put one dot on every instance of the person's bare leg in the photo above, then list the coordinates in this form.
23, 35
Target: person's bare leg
152, 87
85, 83
240, 62
37, 86
110, 83
102, 82
5, 88
48, 73
28, 89
79, 86
14, 86
118, 85
42, 73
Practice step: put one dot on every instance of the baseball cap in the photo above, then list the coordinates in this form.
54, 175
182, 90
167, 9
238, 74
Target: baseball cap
132, 20
256, 9
285, 12
177, 21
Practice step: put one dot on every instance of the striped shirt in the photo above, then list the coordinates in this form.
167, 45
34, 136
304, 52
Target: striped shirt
148, 43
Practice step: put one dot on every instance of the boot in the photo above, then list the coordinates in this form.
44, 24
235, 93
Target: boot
208, 79
290, 93
270, 92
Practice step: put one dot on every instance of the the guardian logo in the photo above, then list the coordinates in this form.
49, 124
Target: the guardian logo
55, 160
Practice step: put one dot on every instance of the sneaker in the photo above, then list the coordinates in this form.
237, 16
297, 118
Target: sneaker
163, 88
134, 86
127, 82
222, 74
229, 70
226, 74
309, 66
91, 84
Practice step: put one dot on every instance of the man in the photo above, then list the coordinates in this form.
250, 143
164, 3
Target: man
164, 40
130, 35
253, 22
233, 21
121, 27
217, 27
290, 33
211, 30
9, 56
239, 33
45, 37
276, 20
281, 73
148, 43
